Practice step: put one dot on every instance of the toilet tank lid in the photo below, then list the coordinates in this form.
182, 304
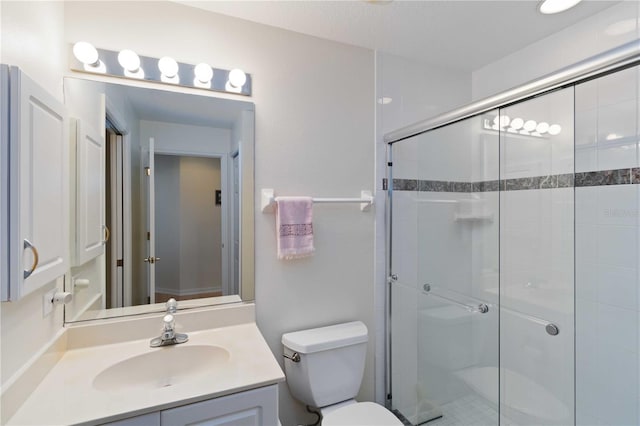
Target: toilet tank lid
325, 338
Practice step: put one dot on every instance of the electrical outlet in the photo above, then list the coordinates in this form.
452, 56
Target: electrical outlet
47, 302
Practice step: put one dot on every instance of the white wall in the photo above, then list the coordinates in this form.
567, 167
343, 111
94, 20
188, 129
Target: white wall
32, 38
311, 116
200, 225
183, 138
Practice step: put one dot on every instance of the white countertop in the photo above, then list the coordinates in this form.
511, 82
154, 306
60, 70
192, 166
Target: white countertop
66, 395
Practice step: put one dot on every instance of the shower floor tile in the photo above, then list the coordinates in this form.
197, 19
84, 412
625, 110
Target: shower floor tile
471, 410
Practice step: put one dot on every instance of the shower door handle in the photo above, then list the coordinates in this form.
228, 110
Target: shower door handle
481, 308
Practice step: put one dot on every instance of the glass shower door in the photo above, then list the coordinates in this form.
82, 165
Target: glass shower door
516, 245
445, 235
537, 261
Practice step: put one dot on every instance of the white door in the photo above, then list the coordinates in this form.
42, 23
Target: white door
4, 188
115, 255
236, 226
91, 231
118, 227
39, 187
151, 225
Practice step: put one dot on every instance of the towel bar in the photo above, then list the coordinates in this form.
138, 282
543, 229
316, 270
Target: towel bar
365, 200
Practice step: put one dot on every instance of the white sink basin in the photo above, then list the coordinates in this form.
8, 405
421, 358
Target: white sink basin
163, 367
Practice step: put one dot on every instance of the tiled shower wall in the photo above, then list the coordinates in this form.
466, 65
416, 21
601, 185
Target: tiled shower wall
607, 254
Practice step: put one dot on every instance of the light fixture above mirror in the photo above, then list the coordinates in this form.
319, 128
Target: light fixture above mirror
126, 63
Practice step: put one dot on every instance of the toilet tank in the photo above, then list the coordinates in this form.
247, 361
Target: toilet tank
331, 363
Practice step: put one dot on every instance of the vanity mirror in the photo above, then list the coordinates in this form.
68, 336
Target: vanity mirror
162, 199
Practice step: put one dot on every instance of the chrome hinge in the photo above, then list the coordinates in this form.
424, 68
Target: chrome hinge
392, 278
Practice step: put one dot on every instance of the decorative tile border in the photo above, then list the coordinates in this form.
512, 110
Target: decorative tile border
434, 186
487, 186
566, 180
605, 177
404, 184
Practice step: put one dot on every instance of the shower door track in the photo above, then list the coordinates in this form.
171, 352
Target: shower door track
606, 62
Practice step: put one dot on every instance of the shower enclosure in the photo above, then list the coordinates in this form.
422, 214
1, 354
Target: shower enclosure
513, 255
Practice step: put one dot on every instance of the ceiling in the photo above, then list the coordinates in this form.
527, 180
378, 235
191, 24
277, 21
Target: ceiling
463, 35
182, 108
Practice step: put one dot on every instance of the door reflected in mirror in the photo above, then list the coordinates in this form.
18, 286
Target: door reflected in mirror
176, 178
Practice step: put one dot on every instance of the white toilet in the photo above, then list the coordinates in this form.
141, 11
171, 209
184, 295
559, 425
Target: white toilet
324, 368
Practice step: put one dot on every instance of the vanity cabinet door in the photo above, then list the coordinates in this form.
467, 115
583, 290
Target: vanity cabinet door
90, 228
38, 190
251, 408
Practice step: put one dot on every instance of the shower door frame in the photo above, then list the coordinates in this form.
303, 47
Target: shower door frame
624, 56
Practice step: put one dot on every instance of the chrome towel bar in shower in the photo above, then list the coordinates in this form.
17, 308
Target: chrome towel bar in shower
551, 328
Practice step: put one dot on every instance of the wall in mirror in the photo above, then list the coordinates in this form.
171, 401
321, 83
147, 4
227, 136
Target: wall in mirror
162, 199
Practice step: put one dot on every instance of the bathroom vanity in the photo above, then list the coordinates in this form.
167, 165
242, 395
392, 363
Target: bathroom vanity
109, 374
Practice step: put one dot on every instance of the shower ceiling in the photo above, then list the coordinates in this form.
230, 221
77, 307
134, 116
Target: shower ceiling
462, 35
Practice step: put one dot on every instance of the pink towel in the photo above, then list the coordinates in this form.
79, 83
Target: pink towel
294, 226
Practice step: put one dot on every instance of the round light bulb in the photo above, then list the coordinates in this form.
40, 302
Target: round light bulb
517, 123
129, 60
504, 120
549, 7
86, 53
237, 78
168, 66
203, 72
542, 127
530, 125
554, 129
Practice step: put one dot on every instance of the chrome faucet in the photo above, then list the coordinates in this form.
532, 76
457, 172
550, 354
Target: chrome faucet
169, 335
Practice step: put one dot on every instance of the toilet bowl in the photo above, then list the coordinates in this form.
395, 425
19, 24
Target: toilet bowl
324, 368
360, 414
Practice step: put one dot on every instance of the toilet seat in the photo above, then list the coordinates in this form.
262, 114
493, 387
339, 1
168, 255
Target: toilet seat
361, 414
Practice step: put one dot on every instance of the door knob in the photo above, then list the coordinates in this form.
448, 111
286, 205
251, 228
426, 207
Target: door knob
151, 259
